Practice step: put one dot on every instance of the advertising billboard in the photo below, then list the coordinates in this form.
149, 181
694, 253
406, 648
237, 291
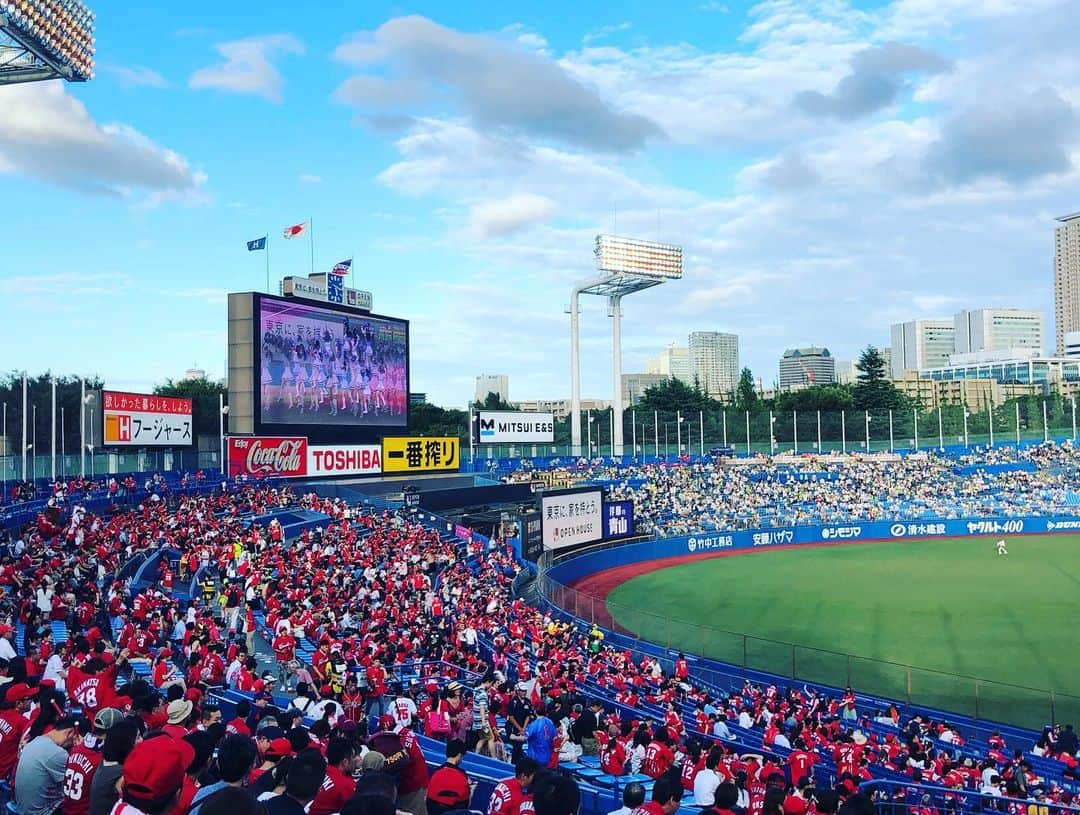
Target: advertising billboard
417, 454
344, 459
571, 518
295, 457
326, 371
514, 427
618, 519
145, 420
532, 536
267, 456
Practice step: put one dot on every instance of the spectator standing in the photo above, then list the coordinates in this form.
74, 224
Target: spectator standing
235, 759
13, 724
540, 735
338, 785
153, 776
508, 795
83, 762
449, 787
302, 784
104, 789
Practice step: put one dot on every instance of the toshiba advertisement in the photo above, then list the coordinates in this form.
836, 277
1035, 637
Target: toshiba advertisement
293, 457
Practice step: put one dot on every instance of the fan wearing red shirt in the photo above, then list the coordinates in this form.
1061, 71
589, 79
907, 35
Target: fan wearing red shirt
284, 647
666, 795
93, 685
83, 760
13, 724
508, 795
338, 785
413, 777
658, 756
801, 763
613, 754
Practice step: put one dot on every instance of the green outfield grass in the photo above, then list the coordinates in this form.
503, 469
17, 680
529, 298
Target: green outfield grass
948, 606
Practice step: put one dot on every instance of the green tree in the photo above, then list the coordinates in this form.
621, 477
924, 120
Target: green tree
492, 402
746, 395
675, 395
873, 391
194, 388
204, 395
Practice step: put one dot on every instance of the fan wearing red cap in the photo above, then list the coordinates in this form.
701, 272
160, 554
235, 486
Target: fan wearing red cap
13, 724
153, 775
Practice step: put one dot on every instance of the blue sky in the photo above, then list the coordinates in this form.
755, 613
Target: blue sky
829, 168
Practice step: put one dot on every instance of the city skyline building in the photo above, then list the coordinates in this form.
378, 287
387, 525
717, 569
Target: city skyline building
1066, 278
805, 367
492, 383
998, 329
714, 361
919, 344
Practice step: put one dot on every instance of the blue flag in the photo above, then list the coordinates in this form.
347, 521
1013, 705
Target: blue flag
257, 244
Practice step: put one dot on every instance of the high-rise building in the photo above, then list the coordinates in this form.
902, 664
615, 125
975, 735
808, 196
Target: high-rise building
672, 361
1066, 278
920, 344
492, 383
998, 329
714, 361
803, 367
635, 385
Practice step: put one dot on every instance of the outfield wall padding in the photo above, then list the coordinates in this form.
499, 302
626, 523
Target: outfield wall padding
705, 544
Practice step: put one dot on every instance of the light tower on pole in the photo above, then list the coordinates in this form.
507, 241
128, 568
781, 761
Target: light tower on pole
626, 265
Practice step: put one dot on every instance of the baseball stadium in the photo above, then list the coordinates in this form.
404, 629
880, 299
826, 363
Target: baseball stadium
301, 590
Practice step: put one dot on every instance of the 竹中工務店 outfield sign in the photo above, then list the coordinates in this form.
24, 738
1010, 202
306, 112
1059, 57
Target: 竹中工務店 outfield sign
571, 518
417, 454
145, 420
514, 427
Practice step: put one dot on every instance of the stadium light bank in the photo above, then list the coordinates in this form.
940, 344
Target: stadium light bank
626, 265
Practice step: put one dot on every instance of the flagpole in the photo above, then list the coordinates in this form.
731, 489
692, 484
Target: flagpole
311, 240
268, 263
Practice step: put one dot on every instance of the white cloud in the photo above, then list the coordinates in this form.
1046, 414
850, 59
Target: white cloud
249, 66
137, 76
821, 229
496, 84
496, 219
48, 134
308, 178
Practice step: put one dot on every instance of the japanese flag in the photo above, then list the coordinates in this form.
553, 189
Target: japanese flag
295, 231
532, 692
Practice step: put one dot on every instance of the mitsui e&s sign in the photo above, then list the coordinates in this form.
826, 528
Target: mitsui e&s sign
513, 427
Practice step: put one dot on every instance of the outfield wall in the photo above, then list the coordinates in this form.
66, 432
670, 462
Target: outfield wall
574, 567
577, 585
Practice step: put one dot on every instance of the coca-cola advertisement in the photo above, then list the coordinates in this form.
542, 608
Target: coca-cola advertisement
268, 456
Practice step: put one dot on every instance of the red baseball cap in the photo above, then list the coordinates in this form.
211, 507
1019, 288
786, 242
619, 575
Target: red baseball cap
386, 722
279, 748
5, 629
18, 692
155, 768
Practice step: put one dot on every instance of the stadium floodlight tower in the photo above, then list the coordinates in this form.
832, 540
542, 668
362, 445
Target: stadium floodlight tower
626, 265
45, 39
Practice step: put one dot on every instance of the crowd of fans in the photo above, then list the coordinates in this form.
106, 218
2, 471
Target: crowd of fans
684, 497
414, 633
